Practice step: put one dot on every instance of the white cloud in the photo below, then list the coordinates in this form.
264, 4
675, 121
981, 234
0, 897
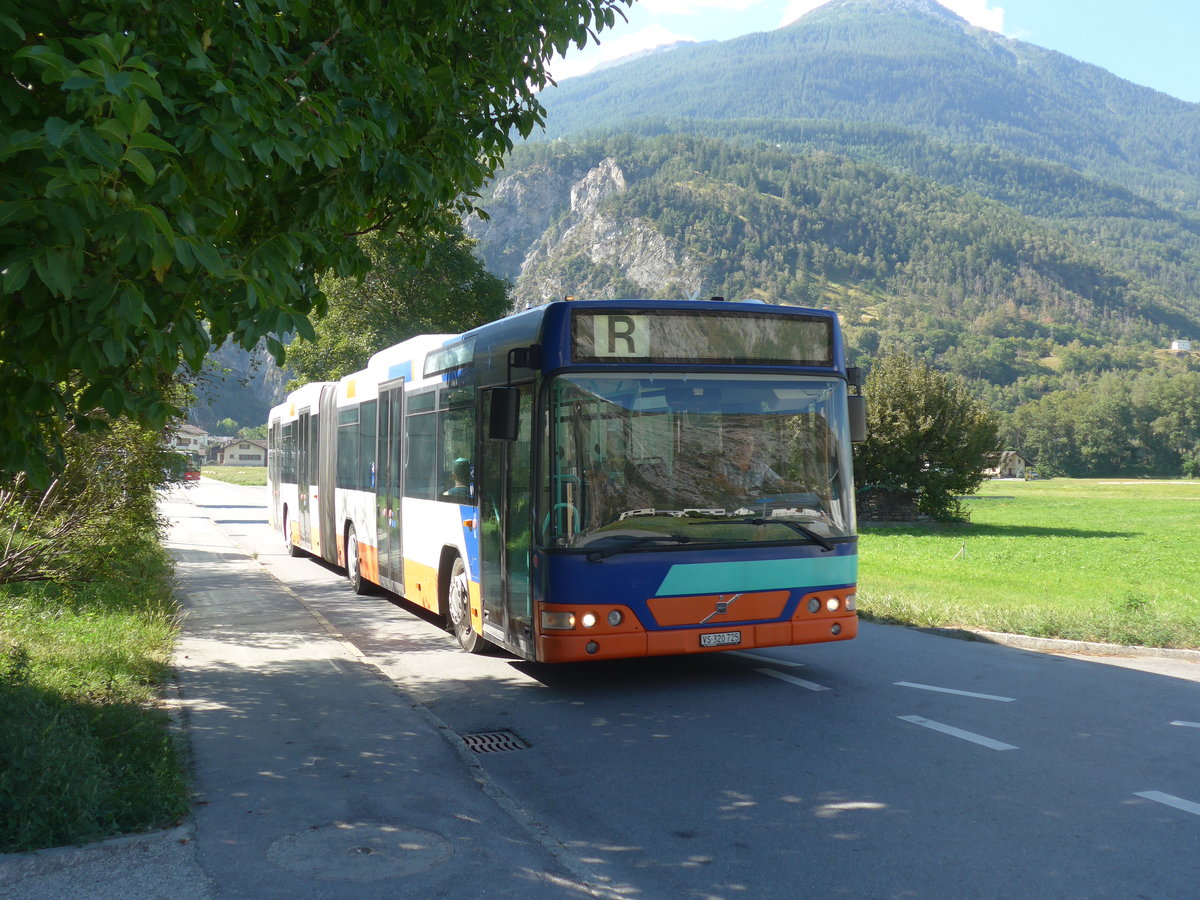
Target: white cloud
613, 47
979, 13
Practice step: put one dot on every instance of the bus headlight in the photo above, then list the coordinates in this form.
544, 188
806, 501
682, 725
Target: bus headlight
588, 620
832, 604
814, 604
559, 621
615, 618
851, 602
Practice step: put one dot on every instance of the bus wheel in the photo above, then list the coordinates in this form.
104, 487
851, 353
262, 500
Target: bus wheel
358, 584
291, 548
458, 596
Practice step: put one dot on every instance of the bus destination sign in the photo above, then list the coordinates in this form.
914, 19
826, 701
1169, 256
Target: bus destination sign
707, 337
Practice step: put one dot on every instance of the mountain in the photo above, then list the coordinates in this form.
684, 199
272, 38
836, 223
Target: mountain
910, 65
237, 384
1004, 211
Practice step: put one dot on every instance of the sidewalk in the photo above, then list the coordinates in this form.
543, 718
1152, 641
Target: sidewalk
314, 776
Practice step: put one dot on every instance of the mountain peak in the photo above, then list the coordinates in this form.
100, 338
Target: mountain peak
923, 7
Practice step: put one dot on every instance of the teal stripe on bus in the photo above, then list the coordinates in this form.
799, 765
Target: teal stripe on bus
759, 575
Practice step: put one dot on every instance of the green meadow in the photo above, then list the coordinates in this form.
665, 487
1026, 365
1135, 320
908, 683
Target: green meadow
247, 475
1108, 560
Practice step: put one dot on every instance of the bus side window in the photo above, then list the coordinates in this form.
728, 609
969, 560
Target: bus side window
457, 442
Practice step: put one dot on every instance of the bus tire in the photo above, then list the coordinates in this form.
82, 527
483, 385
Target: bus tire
458, 602
291, 548
358, 584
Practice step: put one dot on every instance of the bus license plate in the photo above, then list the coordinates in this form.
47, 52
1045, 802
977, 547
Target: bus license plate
721, 639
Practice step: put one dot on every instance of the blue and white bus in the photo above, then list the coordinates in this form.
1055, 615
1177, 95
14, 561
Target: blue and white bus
591, 479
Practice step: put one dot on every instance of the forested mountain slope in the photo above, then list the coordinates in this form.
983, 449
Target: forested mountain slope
912, 65
916, 261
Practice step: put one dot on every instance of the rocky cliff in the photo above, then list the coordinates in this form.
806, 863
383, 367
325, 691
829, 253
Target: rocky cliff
556, 231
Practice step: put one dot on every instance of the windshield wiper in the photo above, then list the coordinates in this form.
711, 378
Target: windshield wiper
817, 539
631, 542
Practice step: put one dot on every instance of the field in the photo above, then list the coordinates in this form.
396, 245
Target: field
249, 475
1103, 560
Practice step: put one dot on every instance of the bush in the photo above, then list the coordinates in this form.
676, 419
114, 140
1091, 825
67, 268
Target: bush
929, 437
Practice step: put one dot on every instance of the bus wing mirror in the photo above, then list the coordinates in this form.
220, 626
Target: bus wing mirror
857, 407
504, 420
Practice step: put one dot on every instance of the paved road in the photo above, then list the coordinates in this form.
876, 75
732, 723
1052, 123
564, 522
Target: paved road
897, 765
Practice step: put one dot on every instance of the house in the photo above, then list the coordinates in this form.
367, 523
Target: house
1007, 464
239, 452
1181, 345
188, 439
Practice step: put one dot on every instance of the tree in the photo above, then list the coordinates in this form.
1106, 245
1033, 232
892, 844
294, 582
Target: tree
175, 174
226, 428
928, 436
442, 288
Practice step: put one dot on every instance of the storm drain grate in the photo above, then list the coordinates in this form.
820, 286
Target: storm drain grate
494, 742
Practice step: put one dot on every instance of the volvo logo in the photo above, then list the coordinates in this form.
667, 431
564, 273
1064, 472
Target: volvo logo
722, 607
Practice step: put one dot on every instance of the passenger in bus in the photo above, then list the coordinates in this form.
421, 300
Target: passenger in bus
745, 469
462, 489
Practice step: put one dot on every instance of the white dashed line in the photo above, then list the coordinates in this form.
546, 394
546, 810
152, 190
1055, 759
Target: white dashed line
792, 679
1170, 800
942, 690
1187, 724
766, 659
959, 733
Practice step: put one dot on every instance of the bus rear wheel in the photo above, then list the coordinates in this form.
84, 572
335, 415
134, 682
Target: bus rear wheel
288, 545
358, 584
458, 602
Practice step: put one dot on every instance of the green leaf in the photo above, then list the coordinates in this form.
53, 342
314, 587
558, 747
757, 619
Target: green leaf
160, 222
12, 25
141, 165
112, 127
147, 84
79, 83
46, 57
16, 274
147, 141
57, 272
142, 117
223, 147
58, 130
15, 211
118, 82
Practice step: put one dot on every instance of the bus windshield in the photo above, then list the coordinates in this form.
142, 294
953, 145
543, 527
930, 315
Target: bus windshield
656, 461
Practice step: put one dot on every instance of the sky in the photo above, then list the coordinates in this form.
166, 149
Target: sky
1155, 43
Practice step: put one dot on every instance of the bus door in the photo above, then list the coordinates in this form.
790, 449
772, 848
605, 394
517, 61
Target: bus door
324, 472
507, 533
274, 458
389, 485
303, 480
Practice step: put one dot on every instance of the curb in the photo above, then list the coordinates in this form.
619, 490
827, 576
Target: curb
1061, 645
16, 867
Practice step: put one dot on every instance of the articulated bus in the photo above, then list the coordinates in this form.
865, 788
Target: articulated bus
591, 479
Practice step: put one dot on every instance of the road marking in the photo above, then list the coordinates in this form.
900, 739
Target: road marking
767, 659
792, 679
1187, 724
959, 733
942, 690
1169, 800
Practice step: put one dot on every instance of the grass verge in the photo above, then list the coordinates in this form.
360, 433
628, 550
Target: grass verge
1096, 559
85, 747
247, 475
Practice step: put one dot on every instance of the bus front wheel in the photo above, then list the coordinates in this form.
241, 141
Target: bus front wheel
458, 597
